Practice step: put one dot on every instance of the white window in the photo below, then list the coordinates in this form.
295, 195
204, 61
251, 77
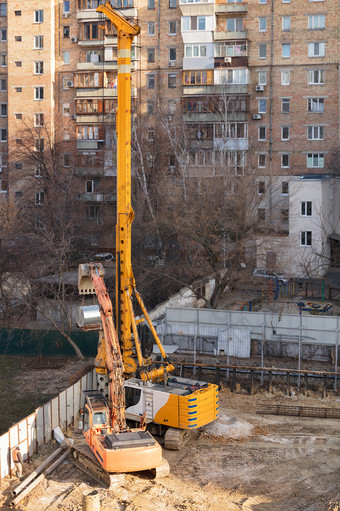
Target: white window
316, 105
306, 238
39, 198
316, 77
285, 77
286, 1
315, 160
286, 23
316, 22
193, 23
285, 161
38, 120
229, 76
66, 109
262, 160
285, 133
38, 93
38, 42
262, 133
306, 208
263, 24
151, 28
92, 185
172, 28
235, 24
286, 51
262, 51
262, 77
66, 57
39, 16
262, 106
316, 49
195, 50
315, 132
39, 67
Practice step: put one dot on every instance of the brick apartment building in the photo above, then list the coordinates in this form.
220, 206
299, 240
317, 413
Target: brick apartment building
256, 84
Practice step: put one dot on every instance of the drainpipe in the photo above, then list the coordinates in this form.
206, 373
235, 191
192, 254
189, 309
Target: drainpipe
271, 78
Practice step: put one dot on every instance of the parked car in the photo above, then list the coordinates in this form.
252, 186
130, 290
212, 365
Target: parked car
261, 273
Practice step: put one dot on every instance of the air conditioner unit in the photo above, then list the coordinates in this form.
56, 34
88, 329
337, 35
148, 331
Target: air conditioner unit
227, 60
66, 14
171, 63
70, 84
74, 39
259, 88
257, 117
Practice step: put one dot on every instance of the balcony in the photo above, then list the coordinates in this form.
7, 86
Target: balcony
231, 62
229, 36
205, 117
98, 118
98, 197
93, 15
196, 90
224, 7
97, 66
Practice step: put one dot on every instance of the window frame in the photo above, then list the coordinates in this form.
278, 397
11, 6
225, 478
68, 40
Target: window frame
311, 73
284, 19
286, 46
39, 16
263, 24
282, 133
283, 156
311, 22
151, 28
261, 47
306, 208
315, 160
38, 42
315, 101
311, 49
305, 238
311, 131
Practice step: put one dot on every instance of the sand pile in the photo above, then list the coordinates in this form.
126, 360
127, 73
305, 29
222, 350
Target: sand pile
228, 427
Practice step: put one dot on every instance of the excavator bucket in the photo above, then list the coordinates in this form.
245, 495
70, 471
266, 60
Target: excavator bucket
85, 284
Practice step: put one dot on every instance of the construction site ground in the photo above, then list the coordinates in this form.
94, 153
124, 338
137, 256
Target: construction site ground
243, 461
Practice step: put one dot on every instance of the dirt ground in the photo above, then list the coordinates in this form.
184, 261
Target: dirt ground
279, 464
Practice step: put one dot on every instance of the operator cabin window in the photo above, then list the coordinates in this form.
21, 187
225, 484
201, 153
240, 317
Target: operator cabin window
38, 42
39, 16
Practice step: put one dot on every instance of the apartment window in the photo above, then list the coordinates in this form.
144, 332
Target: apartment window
172, 161
66, 57
18, 63
3, 9
262, 160
262, 1
151, 135
38, 42
150, 107
86, 80
172, 54
18, 38
90, 132
285, 23
18, 116
316, 105
38, 120
262, 133
150, 81
316, 22
198, 77
194, 23
172, 81
38, 93
316, 77
195, 50
3, 85
286, 51
236, 24
3, 60
39, 168
39, 145
39, 198
261, 215
285, 77
316, 49
263, 24
18, 166
284, 188
284, 216
17, 13
66, 6
66, 109
3, 110
262, 106
261, 187
286, 1
306, 208
285, 105
151, 28
18, 89
262, 51
151, 54
66, 160
306, 238
285, 133
315, 160
315, 132
39, 16
38, 67
92, 212
172, 28
172, 4
18, 141
285, 160
3, 34
92, 185
66, 31
90, 31
262, 78
151, 4
3, 135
